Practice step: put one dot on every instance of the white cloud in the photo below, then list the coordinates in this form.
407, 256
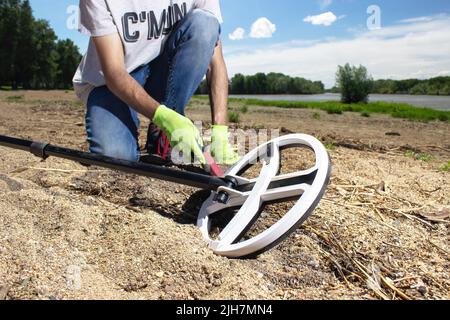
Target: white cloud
417, 19
324, 3
237, 34
263, 28
326, 19
420, 49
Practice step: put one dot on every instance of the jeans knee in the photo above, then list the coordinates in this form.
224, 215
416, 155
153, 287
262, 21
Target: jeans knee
121, 151
205, 28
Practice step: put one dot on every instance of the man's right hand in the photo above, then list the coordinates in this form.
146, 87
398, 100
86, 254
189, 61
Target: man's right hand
179, 130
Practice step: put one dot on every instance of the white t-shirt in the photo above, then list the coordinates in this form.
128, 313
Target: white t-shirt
143, 26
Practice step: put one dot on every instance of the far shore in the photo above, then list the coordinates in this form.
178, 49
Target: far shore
394, 109
425, 101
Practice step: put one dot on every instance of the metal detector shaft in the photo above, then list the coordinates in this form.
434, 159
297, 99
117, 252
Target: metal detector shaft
43, 150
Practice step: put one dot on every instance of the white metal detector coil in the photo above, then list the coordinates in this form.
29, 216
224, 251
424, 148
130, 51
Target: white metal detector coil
250, 195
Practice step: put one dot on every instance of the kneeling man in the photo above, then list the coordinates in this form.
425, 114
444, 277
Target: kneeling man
149, 57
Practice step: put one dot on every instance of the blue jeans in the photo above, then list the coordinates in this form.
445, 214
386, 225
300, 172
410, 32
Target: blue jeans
171, 79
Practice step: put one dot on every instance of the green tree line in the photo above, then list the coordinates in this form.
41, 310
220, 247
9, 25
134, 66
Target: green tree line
31, 56
272, 83
433, 86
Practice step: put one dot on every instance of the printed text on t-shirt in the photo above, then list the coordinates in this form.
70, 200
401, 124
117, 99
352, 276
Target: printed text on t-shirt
156, 27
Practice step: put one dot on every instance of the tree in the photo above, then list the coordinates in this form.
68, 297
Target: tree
30, 57
273, 83
404, 86
438, 85
280, 83
419, 89
9, 35
46, 56
354, 83
67, 60
445, 90
319, 86
24, 66
237, 85
203, 88
260, 81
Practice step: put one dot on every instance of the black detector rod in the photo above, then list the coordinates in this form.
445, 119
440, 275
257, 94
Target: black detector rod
45, 150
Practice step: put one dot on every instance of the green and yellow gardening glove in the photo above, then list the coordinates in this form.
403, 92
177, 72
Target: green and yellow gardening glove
221, 149
180, 131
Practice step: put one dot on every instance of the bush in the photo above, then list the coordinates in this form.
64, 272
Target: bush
333, 109
443, 117
234, 117
418, 156
354, 83
445, 167
244, 109
330, 146
15, 98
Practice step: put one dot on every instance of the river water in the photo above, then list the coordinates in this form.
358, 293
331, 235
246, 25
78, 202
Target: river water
433, 102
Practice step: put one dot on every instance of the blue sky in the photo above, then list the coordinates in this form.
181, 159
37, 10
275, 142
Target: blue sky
310, 38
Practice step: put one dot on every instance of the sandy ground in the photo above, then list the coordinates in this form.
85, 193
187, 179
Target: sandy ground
68, 232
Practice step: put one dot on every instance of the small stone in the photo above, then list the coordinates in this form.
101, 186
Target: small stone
160, 274
393, 134
381, 186
25, 282
389, 280
3, 291
169, 288
422, 289
314, 236
259, 275
314, 264
271, 287
43, 291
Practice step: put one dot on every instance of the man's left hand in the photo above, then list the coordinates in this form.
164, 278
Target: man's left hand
221, 150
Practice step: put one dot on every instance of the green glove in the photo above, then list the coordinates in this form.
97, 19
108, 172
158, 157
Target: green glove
179, 130
221, 149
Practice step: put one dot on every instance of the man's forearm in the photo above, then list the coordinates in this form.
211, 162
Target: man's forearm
218, 95
217, 78
110, 52
128, 90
